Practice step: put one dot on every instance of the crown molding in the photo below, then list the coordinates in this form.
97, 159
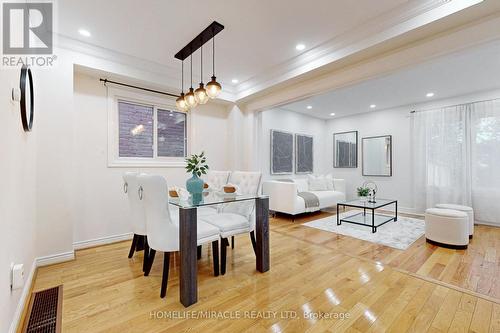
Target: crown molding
402, 19
110, 62
476, 33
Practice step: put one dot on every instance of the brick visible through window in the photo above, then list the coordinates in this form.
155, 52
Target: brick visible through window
135, 130
171, 133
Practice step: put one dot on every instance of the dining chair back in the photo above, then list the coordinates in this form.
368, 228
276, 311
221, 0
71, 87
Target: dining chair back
247, 182
137, 215
162, 232
216, 179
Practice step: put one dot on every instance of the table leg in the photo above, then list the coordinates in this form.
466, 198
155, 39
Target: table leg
374, 229
338, 218
188, 256
396, 214
262, 234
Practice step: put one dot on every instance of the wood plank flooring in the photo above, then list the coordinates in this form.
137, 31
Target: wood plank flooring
363, 287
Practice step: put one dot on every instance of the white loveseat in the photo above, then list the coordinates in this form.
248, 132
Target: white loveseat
284, 198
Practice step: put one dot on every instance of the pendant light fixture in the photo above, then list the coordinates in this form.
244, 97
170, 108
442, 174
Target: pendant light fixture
181, 101
190, 98
213, 87
201, 94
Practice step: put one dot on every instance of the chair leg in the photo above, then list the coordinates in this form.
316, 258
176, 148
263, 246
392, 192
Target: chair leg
232, 242
139, 245
146, 254
198, 254
223, 254
151, 258
132, 247
164, 280
254, 243
215, 255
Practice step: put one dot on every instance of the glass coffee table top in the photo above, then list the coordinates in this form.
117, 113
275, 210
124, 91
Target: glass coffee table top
365, 204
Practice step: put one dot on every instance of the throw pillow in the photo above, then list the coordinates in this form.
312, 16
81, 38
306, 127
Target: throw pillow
317, 183
329, 182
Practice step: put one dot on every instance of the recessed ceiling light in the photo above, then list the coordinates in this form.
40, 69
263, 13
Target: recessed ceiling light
235, 81
300, 47
309, 107
372, 106
332, 114
84, 32
429, 94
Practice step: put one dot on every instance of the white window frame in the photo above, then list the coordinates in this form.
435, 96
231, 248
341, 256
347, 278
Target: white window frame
116, 95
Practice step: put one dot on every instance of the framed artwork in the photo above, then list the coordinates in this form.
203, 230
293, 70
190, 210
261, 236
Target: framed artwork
377, 156
281, 152
304, 153
345, 150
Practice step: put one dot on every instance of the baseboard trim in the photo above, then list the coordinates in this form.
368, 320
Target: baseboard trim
28, 286
102, 241
21, 305
55, 258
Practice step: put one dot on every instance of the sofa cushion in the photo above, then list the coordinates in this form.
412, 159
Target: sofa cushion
328, 198
329, 182
302, 185
317, 183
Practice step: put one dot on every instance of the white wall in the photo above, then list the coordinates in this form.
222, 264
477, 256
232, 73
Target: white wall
17, 196
395, 122
100, 206
284, 120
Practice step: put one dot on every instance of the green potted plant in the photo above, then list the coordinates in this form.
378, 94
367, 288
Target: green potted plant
197, 166
363, 193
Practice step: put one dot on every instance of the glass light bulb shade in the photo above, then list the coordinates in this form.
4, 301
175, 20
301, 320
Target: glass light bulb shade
181, 103
201, 95
190, 98
213, 88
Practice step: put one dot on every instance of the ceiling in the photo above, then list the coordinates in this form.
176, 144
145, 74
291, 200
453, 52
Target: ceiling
258, 45
469, 71
258, 34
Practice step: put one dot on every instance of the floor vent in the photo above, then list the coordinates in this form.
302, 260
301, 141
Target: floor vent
45, 311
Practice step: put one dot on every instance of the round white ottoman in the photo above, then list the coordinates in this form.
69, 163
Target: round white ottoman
447, 228
466, 209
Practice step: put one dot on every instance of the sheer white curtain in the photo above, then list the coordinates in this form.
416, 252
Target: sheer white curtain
485, 160
456, 158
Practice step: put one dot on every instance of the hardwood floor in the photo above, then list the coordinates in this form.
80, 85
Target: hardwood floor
363, 287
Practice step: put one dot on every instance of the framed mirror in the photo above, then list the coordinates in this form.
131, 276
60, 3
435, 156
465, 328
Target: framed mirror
377, 156
27, 98
345, 149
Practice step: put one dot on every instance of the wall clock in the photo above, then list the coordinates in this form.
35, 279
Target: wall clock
27, 100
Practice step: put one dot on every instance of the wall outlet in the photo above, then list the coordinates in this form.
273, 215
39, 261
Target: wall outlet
16, 94
17, 276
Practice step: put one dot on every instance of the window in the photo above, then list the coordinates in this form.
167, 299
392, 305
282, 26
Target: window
171, 133
136, 130
145, 130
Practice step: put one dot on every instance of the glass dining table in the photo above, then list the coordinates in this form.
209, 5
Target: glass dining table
188, 281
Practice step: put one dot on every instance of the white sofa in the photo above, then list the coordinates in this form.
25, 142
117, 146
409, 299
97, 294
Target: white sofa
283, 195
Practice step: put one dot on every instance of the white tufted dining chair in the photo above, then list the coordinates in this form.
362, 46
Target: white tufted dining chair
137, 216
163, 228
237, 217
216, 181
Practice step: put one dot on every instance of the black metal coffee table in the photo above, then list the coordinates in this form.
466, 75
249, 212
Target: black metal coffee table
371, 219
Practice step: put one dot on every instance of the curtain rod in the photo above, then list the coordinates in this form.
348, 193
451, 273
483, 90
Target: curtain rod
450, 106
140, 88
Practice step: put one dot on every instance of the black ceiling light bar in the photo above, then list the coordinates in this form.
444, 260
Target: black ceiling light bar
206, 35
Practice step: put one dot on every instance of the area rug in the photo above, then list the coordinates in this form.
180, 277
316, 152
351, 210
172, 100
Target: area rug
399, 235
